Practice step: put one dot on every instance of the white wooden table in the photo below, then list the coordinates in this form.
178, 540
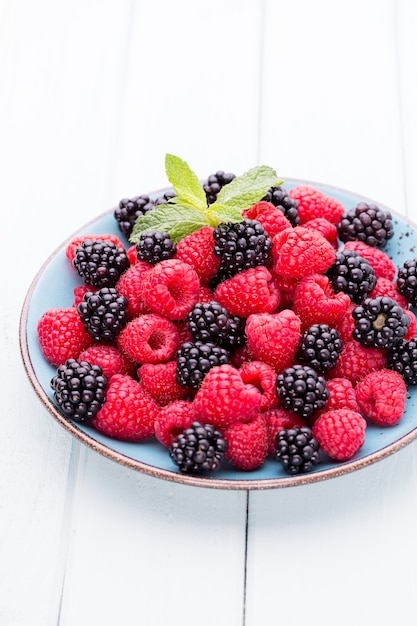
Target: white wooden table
93, 94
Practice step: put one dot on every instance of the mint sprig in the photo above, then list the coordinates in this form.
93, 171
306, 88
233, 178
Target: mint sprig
188, 210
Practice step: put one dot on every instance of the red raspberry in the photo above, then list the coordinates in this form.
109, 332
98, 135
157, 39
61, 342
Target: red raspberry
247, 443
380, 262
279, 419
263, 377
77, 241
272, 219
171, 289
299, 252
315, 302
341, 396
131, 254
325, 228
251, 291
346, 325
130, 285
355, 362
172, 420
205, 294
312, 203
287, 288
159, 380
149, 338
274, 338
184, 332
79, 293
224, 398
61, 335
128, 412
196, 249
387, 287
381, 397
340, 433
241, 355
109, 358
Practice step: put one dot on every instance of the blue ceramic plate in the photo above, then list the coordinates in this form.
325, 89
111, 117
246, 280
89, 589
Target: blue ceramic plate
53, 287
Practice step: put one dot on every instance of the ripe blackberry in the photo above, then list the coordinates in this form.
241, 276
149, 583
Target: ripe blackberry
301, 390
407, 281
208, 322
241, 246
214, 183
367, 223
297, 450
195, 360
402, 358
278, 196
379, 322
103, 313
155, 246
200, 448
100, 263
236, 337
129, 210
319, 347
352, 274
165, 197
79, 389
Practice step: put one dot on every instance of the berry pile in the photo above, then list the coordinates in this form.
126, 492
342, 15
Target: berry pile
280, 334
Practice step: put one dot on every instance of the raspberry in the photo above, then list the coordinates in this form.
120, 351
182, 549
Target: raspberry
278, 196
298, 252
200, 448
379, 322
346, 325
261, 376
382, 265
247, 443
312, 203
301, 390
412, 329
241, 246
381, 397
172, 420
224, 398
367, 223
159, 381
241, 356
131, 254
287, 288
341, 395
197, 249
61, 335
315, 302
155, 246
205, 294
402, 358
195, 360
319, 347
130, 285
279, 419
171, 289
109, 358
272, 219
77, 241
355, 362
340, 433
297, 450
325, 228
103, 313
100, 263
274, 338
251, 291
215, 182
79, 293
79, 389
128, 413
352, 274
149, 338
386, 287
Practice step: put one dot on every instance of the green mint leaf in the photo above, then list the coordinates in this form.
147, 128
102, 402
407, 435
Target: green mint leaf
223, 213
176, 220
185, 182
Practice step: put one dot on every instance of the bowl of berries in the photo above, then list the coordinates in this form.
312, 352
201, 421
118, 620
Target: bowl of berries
240, 332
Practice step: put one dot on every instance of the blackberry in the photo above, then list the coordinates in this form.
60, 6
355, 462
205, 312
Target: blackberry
100, 263
379, 322
155, 246
129, 210
236, 337
278, 196
165, 197
402, 358
214, 183
297, 450
302, 390
241, 246
209, 322
352, 274
79, 389
367, 223
195, 360
407, 281
103, 313
319, 347
200, 448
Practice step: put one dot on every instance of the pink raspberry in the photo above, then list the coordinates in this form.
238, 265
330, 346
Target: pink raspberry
149, 338
299, 252
128, 412
77, 241
247, 443
380, 262
272, 219
315, 302
346, 325
325, 228
61, 335
241, 355
205, 294
340, 433
172, 420
312, 203
355, 362
196, 249
130, 285
381, 397
79, 293
262, 376
159, 381
274, 337
109, 358
251, 291
131, 254
279, 419
287, 287
224, 398
171, 289
387, 287
341, 396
